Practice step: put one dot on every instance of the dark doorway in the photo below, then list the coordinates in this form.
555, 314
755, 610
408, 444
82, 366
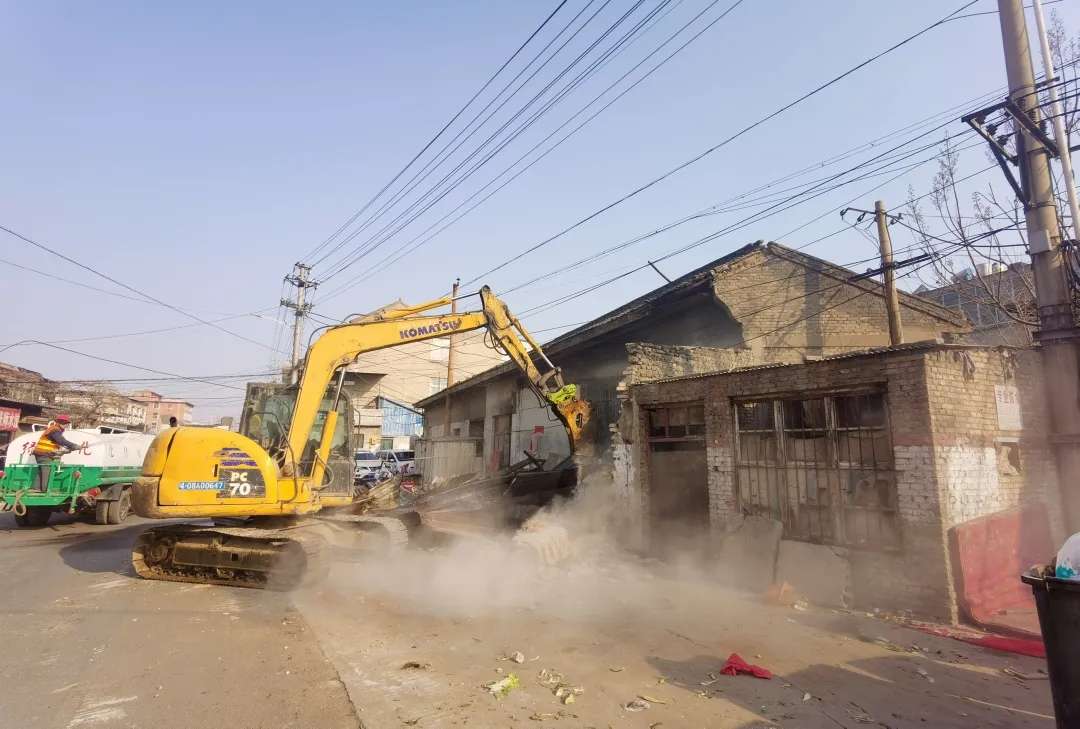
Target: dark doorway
678, 481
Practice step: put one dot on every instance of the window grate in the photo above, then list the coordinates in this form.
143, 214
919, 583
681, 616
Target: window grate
821, 465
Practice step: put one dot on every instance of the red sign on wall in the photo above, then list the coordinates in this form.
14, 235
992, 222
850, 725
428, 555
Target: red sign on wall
9, 418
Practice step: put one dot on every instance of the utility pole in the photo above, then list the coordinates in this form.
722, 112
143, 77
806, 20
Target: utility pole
1060, 135
450, 355
301, 279
1057, 336
892, 299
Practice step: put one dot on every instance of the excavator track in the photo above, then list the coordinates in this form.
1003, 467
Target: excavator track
261, 558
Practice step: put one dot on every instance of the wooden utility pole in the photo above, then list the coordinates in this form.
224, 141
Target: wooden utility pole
892, 299
450, 356
1057, 336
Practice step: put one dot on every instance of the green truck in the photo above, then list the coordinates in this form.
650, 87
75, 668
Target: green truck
95, 479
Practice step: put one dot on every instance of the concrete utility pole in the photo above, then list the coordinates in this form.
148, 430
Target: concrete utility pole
892, 299
1057, 335
450, 354
1060, 136
300, 278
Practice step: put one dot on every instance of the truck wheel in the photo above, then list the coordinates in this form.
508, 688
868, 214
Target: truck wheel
22, 521
119, 509
101, 512
38, 516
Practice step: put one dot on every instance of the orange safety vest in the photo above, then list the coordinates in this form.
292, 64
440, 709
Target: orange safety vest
45, 445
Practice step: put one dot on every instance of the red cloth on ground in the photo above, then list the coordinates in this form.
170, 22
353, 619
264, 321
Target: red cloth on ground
1024, 646
736, 665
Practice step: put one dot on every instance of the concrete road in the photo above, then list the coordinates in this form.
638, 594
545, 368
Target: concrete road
416, 635
85, 643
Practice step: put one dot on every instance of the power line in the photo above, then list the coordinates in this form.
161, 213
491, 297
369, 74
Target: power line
438, 134
128, 364
722, 143
72, 282
373, 242
438, 159
417, 242
132, 289
143, 332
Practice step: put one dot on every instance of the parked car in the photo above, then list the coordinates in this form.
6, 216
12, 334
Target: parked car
368, 468
399, 462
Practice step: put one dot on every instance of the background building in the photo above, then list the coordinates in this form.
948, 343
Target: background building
159, 409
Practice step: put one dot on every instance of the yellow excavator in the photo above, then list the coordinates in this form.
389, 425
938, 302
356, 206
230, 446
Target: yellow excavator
264, 487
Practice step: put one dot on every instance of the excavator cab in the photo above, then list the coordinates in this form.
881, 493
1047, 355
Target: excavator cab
268, 408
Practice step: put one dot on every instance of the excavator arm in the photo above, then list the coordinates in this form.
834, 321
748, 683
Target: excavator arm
340, 345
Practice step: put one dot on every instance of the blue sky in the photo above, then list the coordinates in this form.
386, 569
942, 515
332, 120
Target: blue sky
197, 150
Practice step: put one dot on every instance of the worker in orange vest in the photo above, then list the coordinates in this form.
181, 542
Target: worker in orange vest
50, 446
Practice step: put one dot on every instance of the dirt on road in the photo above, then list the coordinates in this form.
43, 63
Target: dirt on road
417, 636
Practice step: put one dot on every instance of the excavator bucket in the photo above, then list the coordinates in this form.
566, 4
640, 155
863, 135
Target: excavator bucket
575, 415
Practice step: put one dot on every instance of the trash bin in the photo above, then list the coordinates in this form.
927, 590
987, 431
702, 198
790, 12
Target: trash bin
1058, 603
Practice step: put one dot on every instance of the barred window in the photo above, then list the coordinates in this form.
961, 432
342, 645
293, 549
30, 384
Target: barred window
821, 465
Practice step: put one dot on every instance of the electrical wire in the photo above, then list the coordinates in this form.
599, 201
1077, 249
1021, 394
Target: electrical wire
132, 289
683, 165
439, 156
438, 134
420, 239
374, 242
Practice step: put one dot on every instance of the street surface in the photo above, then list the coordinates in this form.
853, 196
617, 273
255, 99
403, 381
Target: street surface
86, 644
410, 640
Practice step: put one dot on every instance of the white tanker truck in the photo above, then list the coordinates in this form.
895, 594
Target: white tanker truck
94, 479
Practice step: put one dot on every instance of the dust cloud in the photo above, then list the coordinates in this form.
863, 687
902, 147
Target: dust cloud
567, 561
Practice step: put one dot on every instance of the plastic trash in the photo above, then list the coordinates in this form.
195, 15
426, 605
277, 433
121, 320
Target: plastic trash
1068, 559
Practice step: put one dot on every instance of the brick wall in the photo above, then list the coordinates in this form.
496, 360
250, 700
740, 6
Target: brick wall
647, 362
786, 309
946, 451
975, 474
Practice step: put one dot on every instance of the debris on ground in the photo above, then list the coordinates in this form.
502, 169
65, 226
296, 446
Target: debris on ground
552, 716
781, 593
415, 666
563, 691
616, 669
501, 688
861, 716
517, 657
1040, 675
884, 643
806, 696
652, 699
637, 705
736, 665
568, 694
922, 672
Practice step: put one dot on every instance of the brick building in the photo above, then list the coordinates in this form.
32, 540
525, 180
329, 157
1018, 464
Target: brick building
763, 303
874, 463
159, 409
